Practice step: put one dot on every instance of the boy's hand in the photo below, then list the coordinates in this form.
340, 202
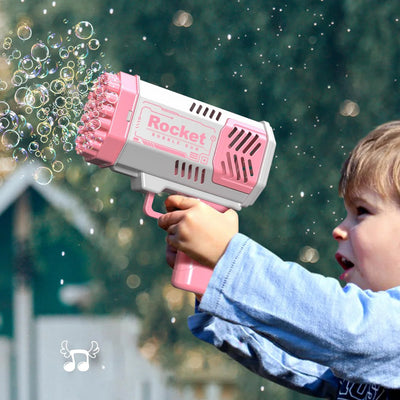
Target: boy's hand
170, 255
197, 229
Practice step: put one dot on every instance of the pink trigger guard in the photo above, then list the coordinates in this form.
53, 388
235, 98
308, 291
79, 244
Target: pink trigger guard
188, 274
148, 207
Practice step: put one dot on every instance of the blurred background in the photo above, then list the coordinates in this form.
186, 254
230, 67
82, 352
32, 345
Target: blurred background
79, 260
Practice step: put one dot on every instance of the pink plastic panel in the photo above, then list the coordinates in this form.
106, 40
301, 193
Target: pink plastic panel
190, 275
239, 155
105, 124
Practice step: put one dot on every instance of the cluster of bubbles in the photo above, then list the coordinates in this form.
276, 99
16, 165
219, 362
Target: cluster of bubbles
43, 90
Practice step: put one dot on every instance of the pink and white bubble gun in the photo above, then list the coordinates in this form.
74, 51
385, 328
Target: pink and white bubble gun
167, 142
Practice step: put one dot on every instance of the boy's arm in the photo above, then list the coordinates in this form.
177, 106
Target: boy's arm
261, 356
353, 332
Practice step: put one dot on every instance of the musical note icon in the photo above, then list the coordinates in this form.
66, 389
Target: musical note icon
83, 366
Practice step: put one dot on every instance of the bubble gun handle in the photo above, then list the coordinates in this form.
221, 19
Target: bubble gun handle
188, 274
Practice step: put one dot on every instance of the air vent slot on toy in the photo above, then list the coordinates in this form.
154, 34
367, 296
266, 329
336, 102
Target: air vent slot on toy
205, 111
238, 157
190, 172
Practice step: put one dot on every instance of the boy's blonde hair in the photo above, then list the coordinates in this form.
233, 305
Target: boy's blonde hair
374, 164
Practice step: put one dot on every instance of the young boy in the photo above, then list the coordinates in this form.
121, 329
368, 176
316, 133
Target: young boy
299, 329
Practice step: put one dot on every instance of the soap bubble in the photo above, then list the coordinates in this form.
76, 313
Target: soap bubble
10, 139
81, 75
60, 102
37, 96
39, 51
9, 121
84, 30
22, 121
26, 130
95, 66
16, 54
31, 67
43, 128
112, 97
33, 147
24, 32
63, 53
7, 42
82, 88
68, 146
51, 66
4, 108
54, 40
20, 154
59, 132
26, 63
48, 154
3, 85
94, 44
81, 51
19, 77
43, 175
57, 166
20, 95
67, 74
94, 124
46, 92
63, 121
57, 86
42, 114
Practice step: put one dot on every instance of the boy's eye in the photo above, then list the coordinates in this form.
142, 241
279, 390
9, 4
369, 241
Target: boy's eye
361, 210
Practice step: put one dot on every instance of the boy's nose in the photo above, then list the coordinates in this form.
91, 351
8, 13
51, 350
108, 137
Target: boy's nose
340, 232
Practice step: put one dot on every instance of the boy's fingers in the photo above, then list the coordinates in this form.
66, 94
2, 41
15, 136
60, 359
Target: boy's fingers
170, 255
171, 218
176, 206
172, 229
172, 241
177, 201
232, 215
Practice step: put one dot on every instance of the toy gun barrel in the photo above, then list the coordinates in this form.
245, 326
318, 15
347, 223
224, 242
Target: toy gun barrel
167, 142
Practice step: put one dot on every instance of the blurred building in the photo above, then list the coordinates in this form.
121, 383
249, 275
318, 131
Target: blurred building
50, 356
63, 355
116, 371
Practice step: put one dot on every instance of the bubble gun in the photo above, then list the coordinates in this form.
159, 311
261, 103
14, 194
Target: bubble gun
168, 142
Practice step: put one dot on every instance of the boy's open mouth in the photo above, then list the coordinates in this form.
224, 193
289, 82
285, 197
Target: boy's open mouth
343, 261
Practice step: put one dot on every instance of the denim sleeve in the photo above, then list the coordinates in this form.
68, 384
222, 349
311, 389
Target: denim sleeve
353, 332
261, 356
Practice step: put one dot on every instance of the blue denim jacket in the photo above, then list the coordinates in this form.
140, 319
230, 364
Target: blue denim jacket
297, 328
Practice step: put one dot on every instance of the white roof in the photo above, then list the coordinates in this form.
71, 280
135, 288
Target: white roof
69, 205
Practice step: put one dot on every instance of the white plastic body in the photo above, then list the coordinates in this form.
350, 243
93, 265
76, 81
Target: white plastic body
168, 142
150, 158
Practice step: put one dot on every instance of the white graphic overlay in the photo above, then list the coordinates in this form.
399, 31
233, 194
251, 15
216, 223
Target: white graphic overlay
82, 366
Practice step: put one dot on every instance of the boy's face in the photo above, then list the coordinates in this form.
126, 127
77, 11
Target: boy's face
369, 242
